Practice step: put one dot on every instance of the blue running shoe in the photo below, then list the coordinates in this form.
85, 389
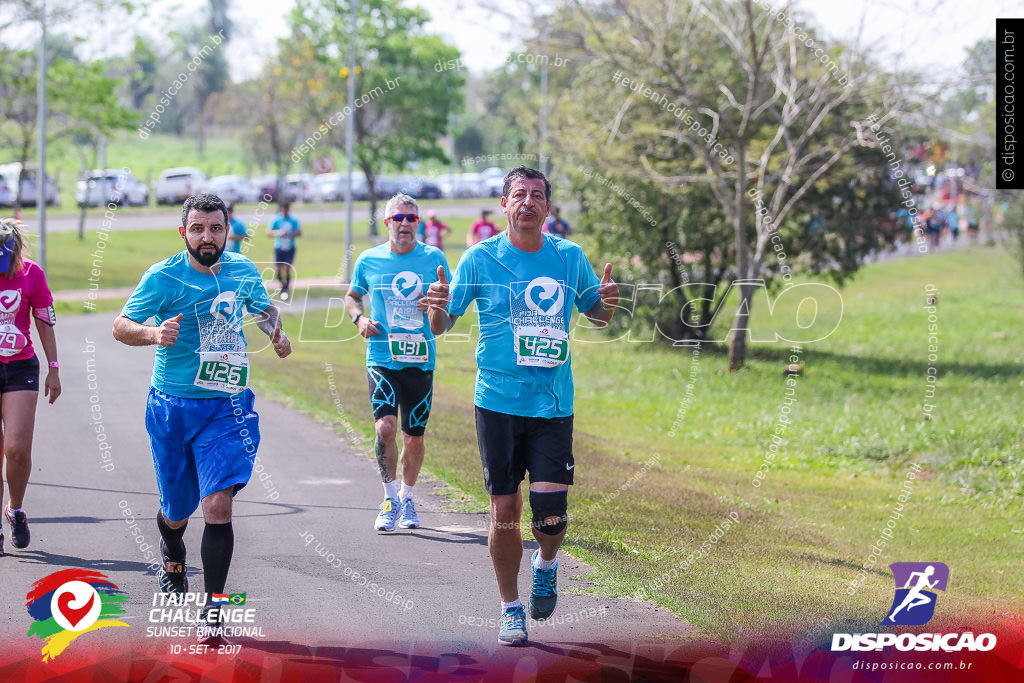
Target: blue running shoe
513, 626
386, 516
19, 527
544, 594
409, 519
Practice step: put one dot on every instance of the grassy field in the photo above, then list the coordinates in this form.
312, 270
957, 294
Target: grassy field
126, 254
659, 471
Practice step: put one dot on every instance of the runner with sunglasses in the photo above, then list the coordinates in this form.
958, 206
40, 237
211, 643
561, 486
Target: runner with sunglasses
400, 351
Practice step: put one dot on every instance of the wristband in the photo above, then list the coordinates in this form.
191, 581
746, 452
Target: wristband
356, 317
54, 364
606, 308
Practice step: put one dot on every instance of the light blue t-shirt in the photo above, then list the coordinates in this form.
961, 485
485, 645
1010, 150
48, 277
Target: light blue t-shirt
288, 226
211, 327
524, 301
237, 229
395, 283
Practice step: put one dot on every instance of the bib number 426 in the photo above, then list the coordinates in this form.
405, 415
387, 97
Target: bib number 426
217, 371
228, 372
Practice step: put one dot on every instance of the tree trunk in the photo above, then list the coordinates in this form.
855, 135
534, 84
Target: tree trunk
738, 343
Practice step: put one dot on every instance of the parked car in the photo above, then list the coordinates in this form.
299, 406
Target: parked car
300, 186
386, 186
176, 184
463, 185
420, 188
6, 192
494, 180
110, 186
266, 185
330, 187
10, 174
233, 188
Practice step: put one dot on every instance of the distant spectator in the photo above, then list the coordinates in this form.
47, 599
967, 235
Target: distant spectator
935, 219
238, 231
434, 231
284, 229
556, 225
953, 218
482, 229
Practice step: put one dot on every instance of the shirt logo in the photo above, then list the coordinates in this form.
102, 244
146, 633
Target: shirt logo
223, 307
544, 296
10, 300
407, 285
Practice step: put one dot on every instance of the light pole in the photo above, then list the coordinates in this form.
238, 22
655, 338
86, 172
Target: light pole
41, 125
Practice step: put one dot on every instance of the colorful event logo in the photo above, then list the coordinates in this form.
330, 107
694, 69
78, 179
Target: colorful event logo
69, 603
916, 583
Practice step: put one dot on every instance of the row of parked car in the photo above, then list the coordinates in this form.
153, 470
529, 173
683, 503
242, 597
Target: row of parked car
9, 174
118, 186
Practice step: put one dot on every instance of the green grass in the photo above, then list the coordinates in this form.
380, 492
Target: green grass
651, 487
127, 253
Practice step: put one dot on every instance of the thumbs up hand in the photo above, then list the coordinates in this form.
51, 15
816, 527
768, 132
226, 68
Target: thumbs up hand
167, 332
608, 291
282, 345
437, 295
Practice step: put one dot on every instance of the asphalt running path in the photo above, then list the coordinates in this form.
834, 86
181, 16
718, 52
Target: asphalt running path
303, 540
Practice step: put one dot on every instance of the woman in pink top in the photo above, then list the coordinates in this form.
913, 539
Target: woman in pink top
434, 231
24, 295
482, 229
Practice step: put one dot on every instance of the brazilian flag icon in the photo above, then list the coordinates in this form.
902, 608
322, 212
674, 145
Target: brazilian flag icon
237, 598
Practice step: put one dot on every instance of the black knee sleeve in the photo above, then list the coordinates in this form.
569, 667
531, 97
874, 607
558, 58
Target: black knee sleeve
549, 504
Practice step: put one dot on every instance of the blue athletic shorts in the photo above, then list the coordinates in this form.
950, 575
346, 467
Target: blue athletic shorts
200, 446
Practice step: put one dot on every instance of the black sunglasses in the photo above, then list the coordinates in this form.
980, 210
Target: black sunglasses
399, 217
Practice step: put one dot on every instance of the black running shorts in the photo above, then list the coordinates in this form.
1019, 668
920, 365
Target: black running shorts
512, 445
408, 388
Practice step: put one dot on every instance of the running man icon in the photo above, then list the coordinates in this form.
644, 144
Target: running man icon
916, 586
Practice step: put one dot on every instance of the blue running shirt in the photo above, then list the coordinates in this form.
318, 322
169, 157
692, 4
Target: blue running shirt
395, 283
208, 358
524, 301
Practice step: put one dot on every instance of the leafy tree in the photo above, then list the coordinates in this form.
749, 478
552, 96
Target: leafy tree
724, 98
404, 101
82, 104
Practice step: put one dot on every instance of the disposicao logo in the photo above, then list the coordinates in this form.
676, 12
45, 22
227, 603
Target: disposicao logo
913, 604
916, 583
70, 603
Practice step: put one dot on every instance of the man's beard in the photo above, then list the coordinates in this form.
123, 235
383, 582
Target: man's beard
206, 260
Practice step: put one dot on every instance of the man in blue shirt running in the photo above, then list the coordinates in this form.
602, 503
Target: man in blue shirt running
203, 430
284, 228
400, 350
525, 283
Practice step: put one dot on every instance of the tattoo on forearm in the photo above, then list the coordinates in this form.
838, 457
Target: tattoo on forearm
380, 450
